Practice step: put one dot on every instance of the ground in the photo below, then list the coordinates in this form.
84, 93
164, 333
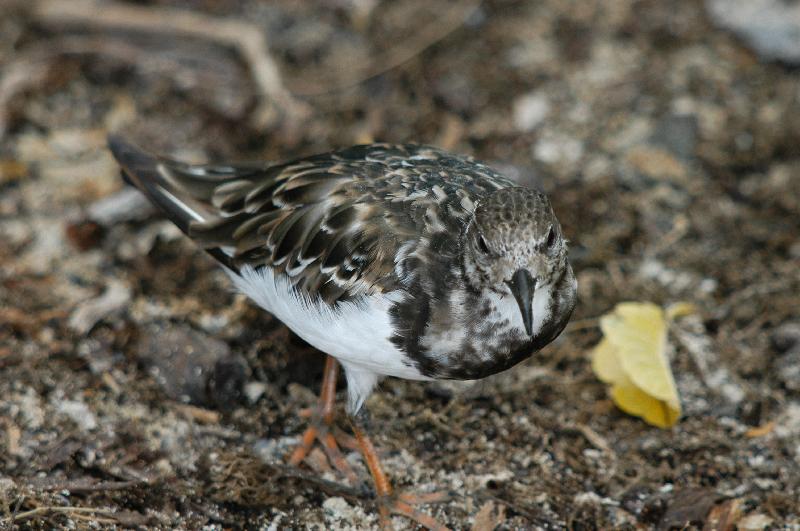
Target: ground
138, 391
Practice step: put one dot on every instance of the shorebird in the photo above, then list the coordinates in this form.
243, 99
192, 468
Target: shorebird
394, 260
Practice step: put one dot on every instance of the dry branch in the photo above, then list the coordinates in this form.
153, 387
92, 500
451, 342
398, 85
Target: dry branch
242, 36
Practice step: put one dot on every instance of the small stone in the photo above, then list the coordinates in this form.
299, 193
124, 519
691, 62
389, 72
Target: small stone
754, 522
337, 508
530, 111
786, 336
225, 384
30, 409
558, 149
79, 412
677, 133
787, 369
254, 390
193, 367
127, 204
770, 27
275, 449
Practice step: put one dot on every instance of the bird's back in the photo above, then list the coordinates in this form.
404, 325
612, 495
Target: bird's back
332, 223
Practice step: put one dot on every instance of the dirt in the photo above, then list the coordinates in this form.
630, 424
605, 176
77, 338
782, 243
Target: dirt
138, 391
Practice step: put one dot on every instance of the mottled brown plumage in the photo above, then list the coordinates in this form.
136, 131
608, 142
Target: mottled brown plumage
331, 222
398, 260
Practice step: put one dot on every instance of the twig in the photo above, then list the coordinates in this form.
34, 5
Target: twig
330, 487
102, 486
593, 437
246, 38
58, 509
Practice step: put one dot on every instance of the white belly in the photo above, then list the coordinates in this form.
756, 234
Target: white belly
357, 334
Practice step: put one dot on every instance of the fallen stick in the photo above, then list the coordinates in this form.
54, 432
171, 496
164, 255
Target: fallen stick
58, 509
244, 37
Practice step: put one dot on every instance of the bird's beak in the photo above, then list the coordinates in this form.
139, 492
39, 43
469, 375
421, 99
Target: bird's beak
523, 285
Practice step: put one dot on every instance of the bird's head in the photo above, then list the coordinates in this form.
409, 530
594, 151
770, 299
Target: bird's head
514, 247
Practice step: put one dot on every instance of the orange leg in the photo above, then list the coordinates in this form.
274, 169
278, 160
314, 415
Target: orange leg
322, 430
322, 424
390, 503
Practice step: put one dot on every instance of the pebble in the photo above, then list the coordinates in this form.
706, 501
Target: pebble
786, 337
78, 412
254, 390
127, 204
193, 367
677, 133
754, 522
770, 27
338, 511
558, 149
530, 110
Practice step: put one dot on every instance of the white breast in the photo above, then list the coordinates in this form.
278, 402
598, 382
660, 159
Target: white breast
357, 334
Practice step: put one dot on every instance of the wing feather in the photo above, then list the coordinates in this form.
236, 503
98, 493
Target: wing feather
333, 222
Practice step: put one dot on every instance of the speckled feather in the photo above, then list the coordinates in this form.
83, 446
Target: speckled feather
333, 222
395, 259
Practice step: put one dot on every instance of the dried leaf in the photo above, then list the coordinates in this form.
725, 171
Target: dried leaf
632, 359
489, 517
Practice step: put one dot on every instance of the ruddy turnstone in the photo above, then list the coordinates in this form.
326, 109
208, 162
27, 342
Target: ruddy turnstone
395, 260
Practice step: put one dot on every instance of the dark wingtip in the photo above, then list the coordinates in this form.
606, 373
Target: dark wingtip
116, 144
132, 159
140, 169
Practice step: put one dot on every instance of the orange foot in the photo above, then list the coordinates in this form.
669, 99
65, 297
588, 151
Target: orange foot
401, 503
322, 429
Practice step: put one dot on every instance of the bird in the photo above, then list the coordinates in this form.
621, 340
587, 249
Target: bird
400, 260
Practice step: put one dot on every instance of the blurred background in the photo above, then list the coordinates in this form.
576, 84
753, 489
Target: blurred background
137, 390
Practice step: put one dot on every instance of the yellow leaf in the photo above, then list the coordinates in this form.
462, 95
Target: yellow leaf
632, 359
680, 309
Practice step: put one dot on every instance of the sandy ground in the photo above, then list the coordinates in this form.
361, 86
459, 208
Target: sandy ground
137, 391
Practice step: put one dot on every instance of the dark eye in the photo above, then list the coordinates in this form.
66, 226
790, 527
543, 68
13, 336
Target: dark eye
482, 245
551, 238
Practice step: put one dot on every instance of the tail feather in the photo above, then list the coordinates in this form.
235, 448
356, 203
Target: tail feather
149, 175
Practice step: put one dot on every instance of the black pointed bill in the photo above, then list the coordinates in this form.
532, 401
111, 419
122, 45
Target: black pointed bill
523, 285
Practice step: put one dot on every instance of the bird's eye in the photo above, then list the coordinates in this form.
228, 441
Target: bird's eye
551, 238
482, 245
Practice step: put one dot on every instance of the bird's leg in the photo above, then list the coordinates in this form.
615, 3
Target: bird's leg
321, 428
390, 502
